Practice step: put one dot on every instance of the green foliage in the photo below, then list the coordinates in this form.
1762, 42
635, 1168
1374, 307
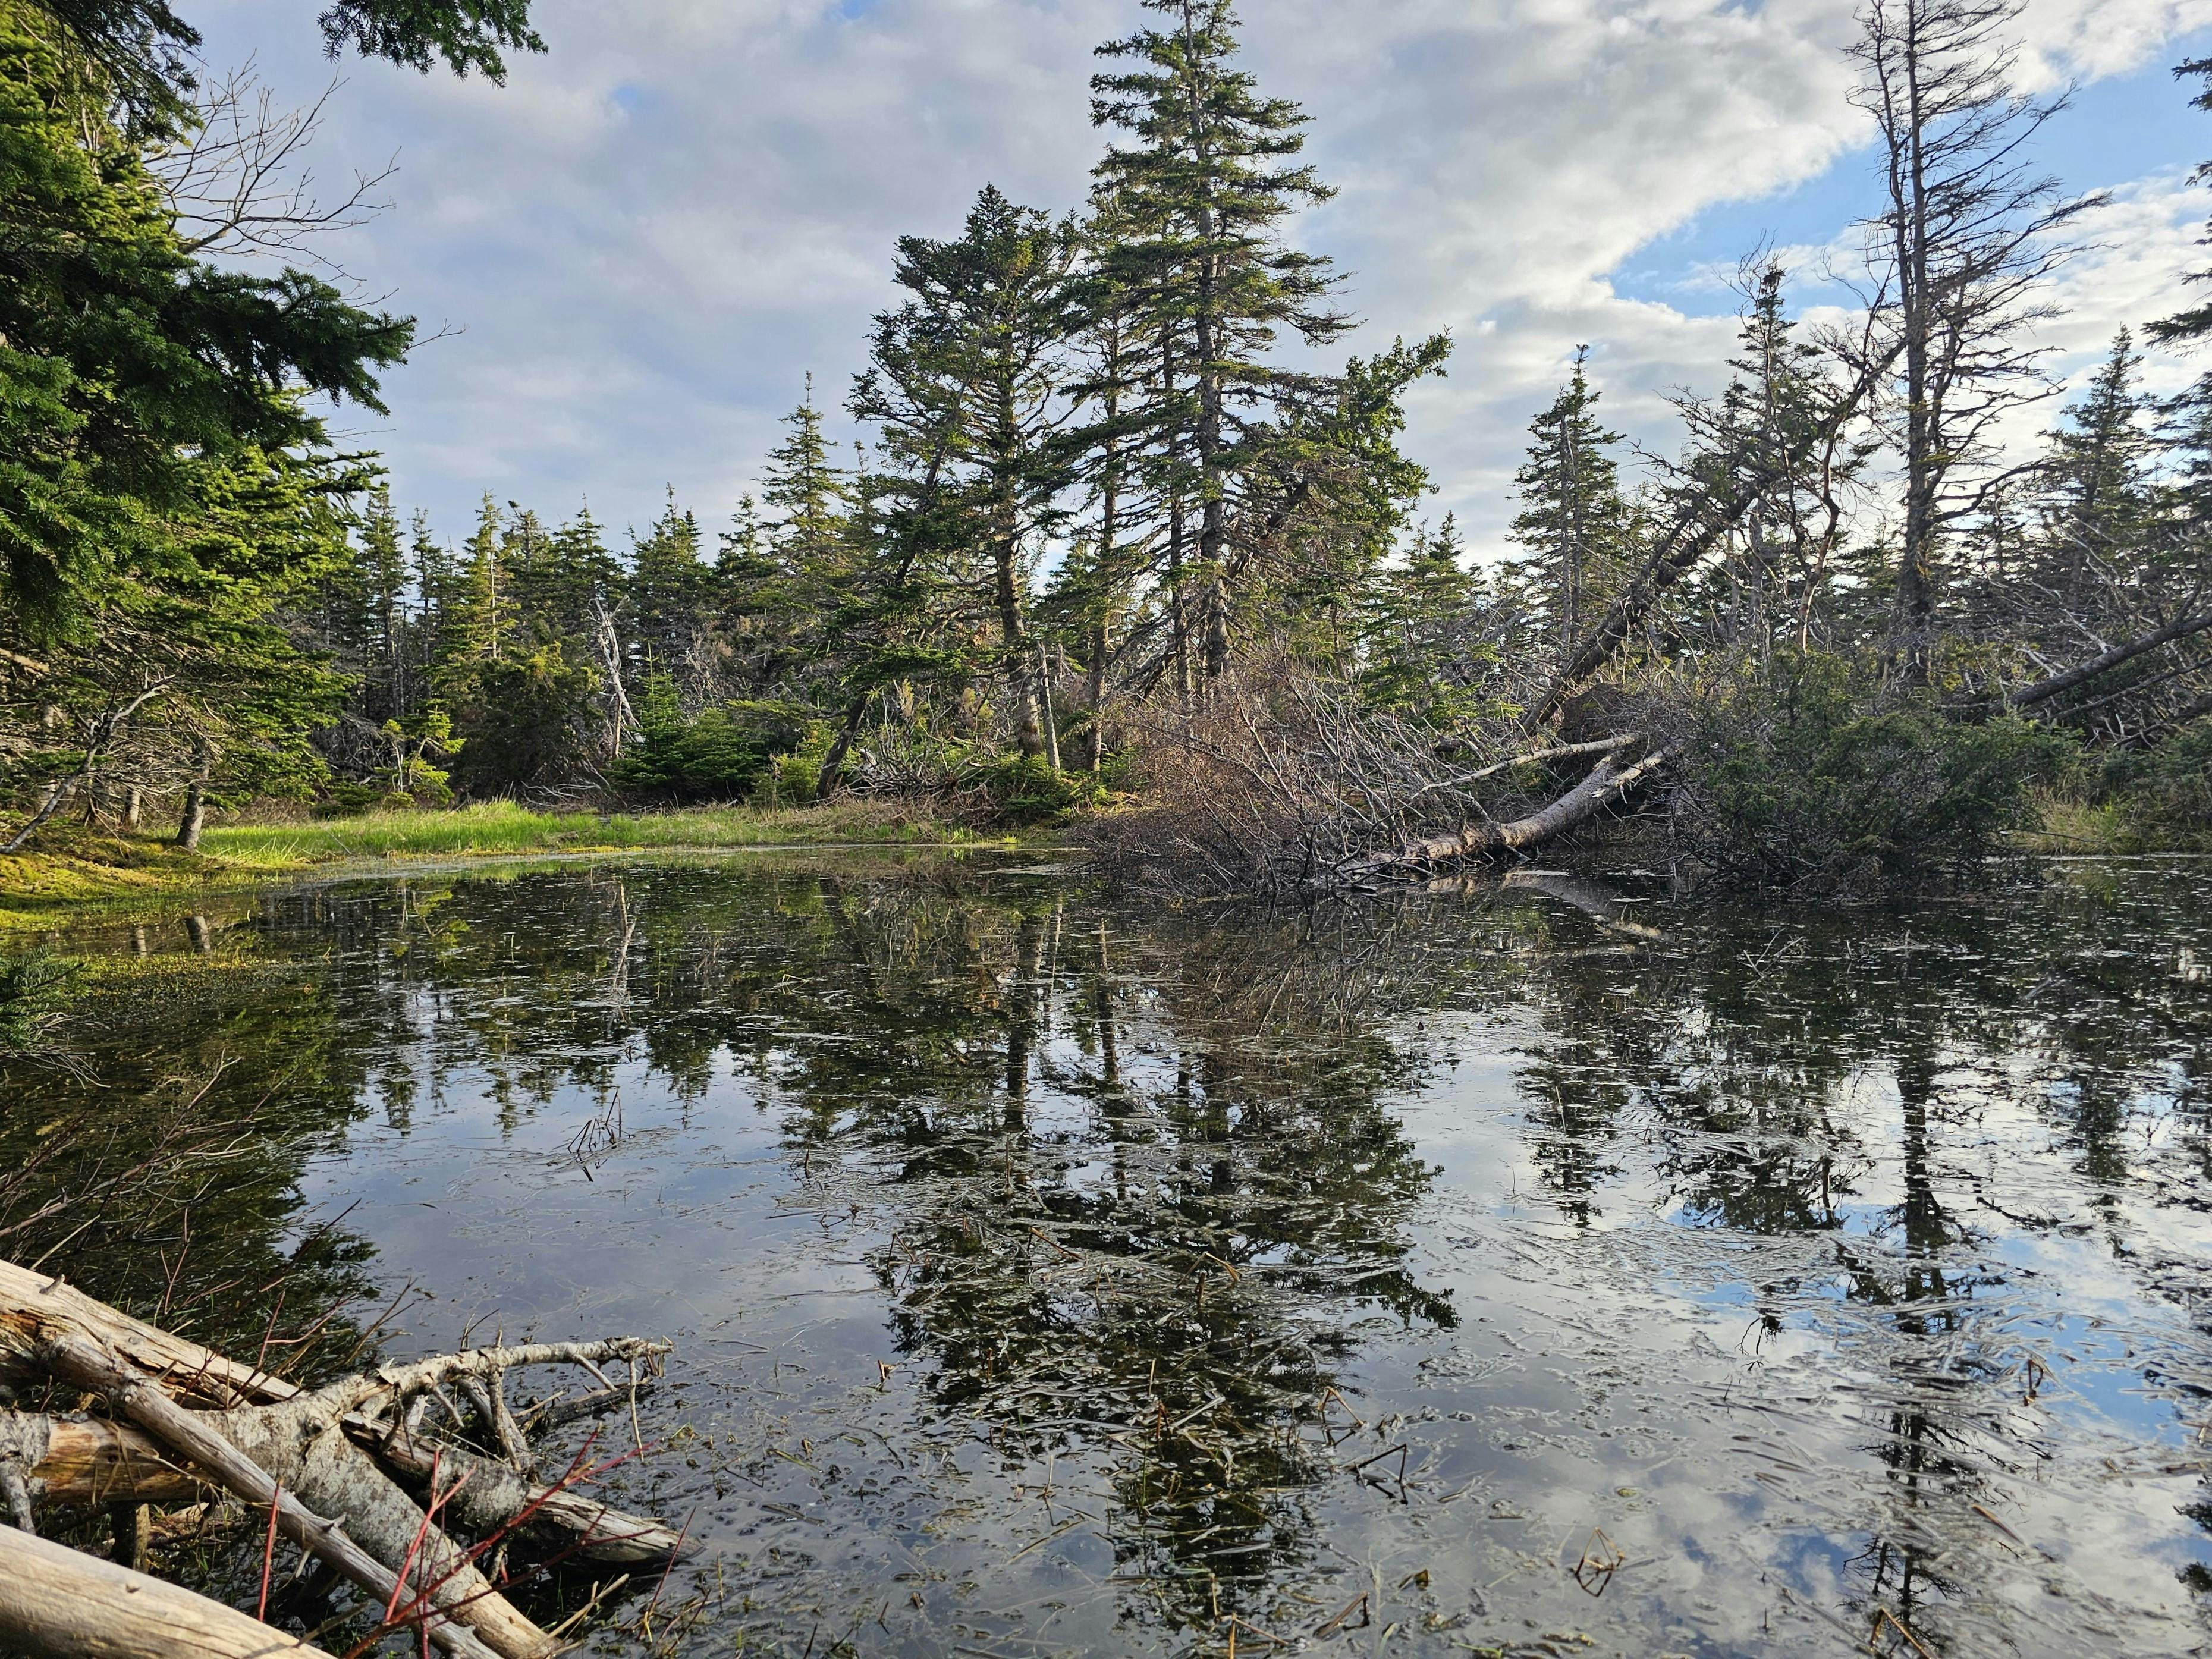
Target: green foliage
718, 753
521, 718
1574, 520
129, 367
1029, 789
1811, 779
2163, 794
32, 990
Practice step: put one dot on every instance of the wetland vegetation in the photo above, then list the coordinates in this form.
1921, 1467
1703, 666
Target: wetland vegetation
1162, 1058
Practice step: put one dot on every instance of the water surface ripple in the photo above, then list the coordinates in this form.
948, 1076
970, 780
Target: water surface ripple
1530, 1267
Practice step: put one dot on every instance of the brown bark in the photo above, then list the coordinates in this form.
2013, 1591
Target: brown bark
85, 1463
193, 819
56, 1603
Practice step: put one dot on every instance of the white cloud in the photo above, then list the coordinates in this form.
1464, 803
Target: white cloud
655, 231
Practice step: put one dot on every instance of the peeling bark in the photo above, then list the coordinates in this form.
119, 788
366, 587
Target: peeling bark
274, 1445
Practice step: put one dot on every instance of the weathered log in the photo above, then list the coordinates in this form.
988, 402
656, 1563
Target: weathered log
57, 1603
206, 1439
269, 1440
87, 1463
1606, 784
28, 1300
493, 1498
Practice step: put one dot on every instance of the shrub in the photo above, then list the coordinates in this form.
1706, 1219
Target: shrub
32, 990
719, 754
1025, 789
2164, 794
1811, 778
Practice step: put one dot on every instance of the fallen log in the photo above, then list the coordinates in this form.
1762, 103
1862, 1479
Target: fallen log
29, 1299
1607, 782
90, 1463
57, 1603
2081, 674
87, 1463
438, 1573
492, 1498
270, 1444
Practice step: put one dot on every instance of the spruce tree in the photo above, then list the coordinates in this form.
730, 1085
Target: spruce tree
2097, 473
1205, 192
384, 691
1573, 518
967, 383
670, 591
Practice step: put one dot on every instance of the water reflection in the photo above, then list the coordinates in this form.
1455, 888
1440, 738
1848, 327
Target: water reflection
1058, 1277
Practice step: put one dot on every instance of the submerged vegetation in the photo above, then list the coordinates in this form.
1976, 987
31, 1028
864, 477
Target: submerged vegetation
1179, 1266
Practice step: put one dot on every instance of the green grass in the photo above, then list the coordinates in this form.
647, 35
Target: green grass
70, 874
502, 829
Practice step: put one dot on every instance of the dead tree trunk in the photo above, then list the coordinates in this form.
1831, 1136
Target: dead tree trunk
1607, 782
272, 1444
2058, 684
56, 1603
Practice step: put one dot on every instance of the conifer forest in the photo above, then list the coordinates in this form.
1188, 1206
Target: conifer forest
1138, 1040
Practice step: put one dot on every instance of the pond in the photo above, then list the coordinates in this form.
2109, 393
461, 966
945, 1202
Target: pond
1528, 1266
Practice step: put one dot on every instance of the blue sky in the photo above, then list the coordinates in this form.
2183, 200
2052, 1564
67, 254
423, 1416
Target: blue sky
644, 243
2134, 125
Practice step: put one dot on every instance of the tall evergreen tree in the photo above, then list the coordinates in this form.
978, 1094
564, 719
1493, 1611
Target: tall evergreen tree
2097, 473
670, 591
1205, 190
383, 561
1573, 518
967, 381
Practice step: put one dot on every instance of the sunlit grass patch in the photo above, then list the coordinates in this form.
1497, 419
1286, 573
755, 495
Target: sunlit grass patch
503, 828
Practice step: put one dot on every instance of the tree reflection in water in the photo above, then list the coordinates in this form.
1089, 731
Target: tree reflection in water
1146, 1203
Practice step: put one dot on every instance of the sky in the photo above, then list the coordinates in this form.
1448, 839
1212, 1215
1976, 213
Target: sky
634, 253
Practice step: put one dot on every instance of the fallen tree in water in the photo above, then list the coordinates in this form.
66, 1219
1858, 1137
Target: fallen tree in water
324, 1464
1286, 783
1608, 781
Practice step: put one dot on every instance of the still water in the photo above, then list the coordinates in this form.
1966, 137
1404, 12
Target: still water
1534, 1266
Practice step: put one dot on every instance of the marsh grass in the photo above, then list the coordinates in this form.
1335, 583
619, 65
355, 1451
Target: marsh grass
502, 829
71, 876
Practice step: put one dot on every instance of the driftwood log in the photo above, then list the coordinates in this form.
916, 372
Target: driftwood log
325, 1460
57, 1603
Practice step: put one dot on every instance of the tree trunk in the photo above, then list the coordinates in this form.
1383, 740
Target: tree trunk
56, 1603
832, 763
486, 1627
2044, 690
194, 819
1606, 784
84, 1464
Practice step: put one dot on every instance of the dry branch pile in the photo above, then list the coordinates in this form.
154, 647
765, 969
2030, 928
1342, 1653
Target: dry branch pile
183, 1422
1284, 782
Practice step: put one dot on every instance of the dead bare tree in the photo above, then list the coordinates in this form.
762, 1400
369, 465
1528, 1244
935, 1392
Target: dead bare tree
1962, 255
238, 182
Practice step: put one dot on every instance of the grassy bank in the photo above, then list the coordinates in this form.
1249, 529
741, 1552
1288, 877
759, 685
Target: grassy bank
502, 829
69, 873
